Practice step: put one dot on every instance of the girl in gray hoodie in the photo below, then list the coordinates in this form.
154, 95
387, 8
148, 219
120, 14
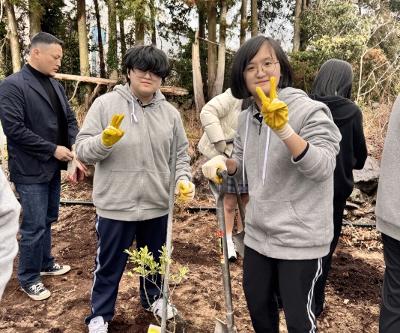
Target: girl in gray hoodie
288, 147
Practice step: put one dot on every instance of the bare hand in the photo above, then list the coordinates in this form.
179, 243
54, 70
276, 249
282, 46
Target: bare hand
76, 170
231, 166
63, 154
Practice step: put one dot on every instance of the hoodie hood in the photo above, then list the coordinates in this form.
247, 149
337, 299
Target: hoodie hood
125, 91
289, 95
342, 109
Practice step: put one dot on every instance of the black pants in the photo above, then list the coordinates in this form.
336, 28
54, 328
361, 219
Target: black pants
295, 279
114, 237
338, 208
389, 320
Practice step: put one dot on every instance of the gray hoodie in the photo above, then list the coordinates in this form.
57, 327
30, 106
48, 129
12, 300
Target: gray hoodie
9, 215
131, 180
289, 215
388, 198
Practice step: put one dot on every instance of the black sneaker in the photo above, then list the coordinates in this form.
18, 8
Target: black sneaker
56, 269
37, 291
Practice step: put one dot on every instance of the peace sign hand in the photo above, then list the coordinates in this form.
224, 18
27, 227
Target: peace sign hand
112, 133
274, 111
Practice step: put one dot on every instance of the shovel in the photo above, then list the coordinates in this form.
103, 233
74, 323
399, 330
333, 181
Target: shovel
220, 326
165, 292
238, 239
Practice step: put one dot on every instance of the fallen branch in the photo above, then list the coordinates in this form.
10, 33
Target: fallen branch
169, 90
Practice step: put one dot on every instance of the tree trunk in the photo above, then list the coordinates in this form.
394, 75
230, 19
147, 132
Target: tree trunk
254, 18
100, 40
139, 24
296, 34
202, 19
243, 22
211, 47
35, 17
112, 58
153, 23
83, 39
121, 21
219, 80
197, 78
13, 33
306, 4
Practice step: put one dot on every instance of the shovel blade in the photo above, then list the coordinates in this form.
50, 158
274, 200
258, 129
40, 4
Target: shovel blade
238, 240
220, 327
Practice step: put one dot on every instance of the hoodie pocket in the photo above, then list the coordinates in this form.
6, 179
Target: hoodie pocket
117, 190
155, 190
285, 227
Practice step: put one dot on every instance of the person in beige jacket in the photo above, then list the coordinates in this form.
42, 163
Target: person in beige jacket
219, 119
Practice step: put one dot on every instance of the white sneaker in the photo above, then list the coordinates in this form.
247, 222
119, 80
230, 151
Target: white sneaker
97, 325
232, 256
156, 308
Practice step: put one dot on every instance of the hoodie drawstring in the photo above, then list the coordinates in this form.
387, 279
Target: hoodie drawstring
244, 147
266, 155
133, 116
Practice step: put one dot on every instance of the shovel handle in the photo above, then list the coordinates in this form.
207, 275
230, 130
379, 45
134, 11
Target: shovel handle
239, 200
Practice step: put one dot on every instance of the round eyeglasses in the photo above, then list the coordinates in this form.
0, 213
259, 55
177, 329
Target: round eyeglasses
142, 74
266, 67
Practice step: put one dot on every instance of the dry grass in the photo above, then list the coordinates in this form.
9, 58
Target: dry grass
376, 119
80, 113
191, 121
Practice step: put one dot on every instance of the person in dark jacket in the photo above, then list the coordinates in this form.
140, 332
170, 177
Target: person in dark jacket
40, 128
332, 86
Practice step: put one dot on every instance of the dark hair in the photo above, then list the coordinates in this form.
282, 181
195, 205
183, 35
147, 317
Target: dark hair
146, 58
247, 52
45, 38
335, 77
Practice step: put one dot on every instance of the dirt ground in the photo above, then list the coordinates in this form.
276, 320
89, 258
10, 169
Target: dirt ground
352, 293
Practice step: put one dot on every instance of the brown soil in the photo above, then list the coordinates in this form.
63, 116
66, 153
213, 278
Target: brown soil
352, 293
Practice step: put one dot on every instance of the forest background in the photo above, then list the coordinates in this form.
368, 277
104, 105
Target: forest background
200, 38
364, 33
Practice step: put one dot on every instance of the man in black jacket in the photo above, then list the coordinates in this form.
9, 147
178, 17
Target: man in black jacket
40, 128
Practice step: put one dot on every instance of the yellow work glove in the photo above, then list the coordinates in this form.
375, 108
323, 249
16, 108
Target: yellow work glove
112, 133
154, 329
274, 111
185, 190
211, 167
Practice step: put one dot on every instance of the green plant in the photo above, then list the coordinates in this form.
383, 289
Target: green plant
146, 266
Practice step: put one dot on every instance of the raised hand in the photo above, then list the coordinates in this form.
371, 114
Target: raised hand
274, 111
112, 133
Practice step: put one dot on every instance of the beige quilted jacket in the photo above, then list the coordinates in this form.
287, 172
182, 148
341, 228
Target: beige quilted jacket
219, 120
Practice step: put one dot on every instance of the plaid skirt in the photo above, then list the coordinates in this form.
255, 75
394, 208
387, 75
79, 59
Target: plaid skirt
243, 188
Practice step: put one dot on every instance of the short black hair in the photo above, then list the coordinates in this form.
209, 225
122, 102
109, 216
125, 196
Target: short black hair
45, 38
146, 58
334, 78
247, 52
